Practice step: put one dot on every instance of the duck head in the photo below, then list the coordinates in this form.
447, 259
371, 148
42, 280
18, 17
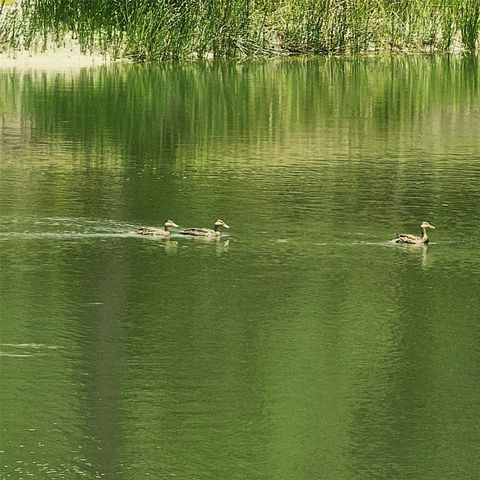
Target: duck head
169, 223
220, 223
426, 225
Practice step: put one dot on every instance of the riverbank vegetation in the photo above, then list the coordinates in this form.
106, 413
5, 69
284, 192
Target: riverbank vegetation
165, 29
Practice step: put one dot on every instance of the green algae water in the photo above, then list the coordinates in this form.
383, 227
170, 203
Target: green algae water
300, 345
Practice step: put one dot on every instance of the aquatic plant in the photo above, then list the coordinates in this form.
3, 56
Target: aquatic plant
162, 29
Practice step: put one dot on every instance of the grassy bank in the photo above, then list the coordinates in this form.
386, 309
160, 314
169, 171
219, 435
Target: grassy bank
162, 29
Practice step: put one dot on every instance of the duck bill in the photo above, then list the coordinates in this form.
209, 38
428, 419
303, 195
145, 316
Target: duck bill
225, 225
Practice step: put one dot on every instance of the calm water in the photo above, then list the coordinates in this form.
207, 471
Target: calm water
301, 345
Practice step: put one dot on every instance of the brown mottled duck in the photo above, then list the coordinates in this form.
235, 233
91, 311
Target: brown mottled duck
158, 232
414, 239
205, 232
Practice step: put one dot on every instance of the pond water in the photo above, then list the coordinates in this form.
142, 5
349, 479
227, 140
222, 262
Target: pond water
300, 345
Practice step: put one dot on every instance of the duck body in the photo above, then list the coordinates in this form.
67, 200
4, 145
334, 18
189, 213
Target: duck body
201, 232
157, 232
205, 232
409, 239
153, 231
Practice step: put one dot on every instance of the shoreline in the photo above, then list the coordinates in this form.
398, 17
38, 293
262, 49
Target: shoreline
71, 57
60, 58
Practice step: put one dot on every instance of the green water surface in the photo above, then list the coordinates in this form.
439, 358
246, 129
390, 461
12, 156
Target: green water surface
302, 344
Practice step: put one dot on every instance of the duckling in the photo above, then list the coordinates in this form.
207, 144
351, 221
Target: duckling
205, 232
153, 231
413, 239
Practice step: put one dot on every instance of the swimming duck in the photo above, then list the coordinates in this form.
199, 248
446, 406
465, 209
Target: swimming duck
413, 239
153, 231
205, 232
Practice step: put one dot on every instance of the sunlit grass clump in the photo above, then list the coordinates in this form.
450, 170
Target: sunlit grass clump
161, 29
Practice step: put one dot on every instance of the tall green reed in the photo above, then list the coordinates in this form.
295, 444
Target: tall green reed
162, 29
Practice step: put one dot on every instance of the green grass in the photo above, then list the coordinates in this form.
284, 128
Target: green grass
163, 29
